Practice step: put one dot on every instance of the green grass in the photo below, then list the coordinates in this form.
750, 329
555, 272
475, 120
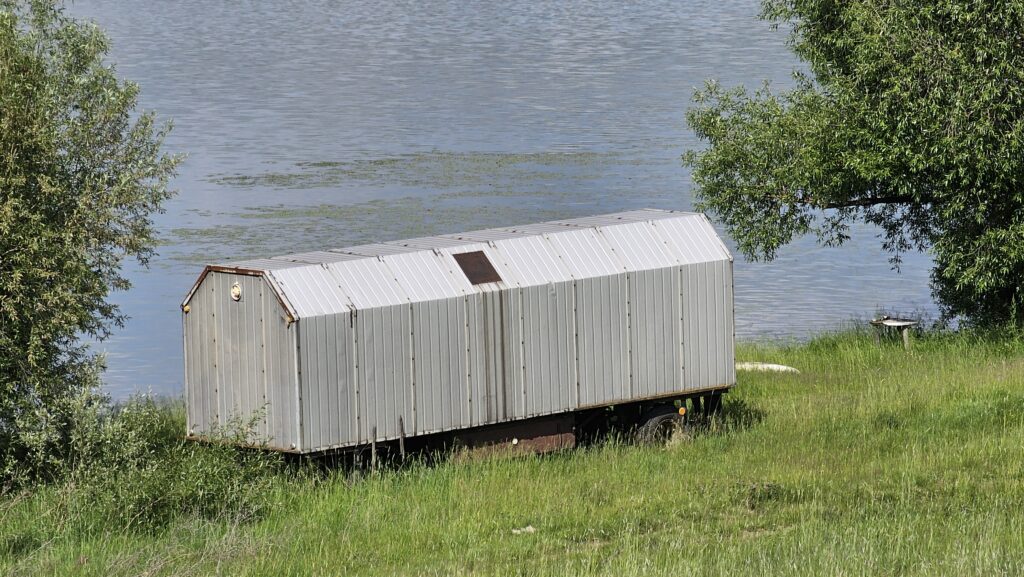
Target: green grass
872, 461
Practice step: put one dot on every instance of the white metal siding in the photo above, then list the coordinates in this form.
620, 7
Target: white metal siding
691, 240
586, 254
240, 361
639, 247
199, 380
327, 353
383, 345
480, 356
656, 335
263, 264
515, 350
486, 359
440, 365
530, 261
317, 257
708, 349
368, 283
549, 349
313, 290
426, 275
602, 338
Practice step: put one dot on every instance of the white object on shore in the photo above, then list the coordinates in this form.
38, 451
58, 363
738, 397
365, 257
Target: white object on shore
526, 529
765, 367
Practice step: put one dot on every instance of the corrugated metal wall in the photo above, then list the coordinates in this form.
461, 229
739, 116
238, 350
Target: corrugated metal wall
240, 360
602, 327
440, 356
655, 332
515, 353
327, 362
708, 325
383, 370
549, 355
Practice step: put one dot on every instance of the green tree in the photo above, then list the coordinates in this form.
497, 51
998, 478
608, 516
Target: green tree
80, 175
908, 115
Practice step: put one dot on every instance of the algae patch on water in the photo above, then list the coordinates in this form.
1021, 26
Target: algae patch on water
427, 193
282, 229
433, 170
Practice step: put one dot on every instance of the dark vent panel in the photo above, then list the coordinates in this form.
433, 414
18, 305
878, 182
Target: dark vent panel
476, 267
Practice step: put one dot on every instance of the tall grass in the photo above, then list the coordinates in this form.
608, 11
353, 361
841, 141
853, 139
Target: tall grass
133, 474
871, 461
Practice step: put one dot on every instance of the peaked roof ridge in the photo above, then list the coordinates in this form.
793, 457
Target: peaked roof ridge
453, 240
428, 268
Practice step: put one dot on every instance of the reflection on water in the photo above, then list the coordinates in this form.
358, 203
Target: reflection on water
314, 124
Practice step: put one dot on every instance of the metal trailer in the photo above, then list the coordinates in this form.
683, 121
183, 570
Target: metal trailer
350, 347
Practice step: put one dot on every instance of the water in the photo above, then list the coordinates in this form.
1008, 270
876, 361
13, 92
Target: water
321, 124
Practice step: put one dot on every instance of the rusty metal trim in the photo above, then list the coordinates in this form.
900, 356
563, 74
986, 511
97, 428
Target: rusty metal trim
236, 270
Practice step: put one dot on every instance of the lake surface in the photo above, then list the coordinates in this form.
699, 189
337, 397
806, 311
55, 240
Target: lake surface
323, 124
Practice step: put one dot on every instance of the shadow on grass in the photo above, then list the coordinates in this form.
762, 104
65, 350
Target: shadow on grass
738, 414
734, 415
20, 544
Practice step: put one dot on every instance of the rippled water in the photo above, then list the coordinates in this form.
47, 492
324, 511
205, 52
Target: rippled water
321, 124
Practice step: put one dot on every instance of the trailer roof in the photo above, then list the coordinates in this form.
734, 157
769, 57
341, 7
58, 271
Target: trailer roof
411, 270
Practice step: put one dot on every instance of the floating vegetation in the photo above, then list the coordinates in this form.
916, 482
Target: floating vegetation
302, 228
434, 170
428, 193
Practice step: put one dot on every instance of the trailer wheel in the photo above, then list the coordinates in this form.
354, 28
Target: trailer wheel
660, 424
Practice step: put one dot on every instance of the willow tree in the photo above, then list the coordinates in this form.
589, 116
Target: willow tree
80, 175
907, 115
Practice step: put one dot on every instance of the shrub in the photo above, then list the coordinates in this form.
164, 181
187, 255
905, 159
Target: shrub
134, 472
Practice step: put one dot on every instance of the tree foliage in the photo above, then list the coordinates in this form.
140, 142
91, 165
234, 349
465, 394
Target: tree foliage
908, 115
80, 176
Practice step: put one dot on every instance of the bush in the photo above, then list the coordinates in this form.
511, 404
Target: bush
134, 472
81, 176
150, 475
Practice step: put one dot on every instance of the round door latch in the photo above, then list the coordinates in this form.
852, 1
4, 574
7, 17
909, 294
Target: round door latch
236, 292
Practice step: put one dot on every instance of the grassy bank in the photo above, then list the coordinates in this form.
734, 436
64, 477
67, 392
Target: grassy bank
872, 461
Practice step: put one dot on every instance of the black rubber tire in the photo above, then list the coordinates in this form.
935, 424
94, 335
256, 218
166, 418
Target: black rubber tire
658, 425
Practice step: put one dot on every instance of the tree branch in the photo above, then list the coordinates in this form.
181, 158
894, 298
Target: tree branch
873, 200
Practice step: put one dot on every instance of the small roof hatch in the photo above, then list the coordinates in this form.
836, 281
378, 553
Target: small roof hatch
476, 267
